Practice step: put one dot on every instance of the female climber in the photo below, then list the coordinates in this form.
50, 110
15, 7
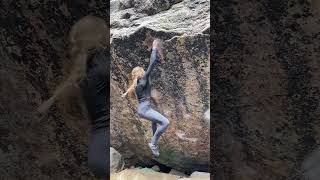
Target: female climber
141, 89
88, 75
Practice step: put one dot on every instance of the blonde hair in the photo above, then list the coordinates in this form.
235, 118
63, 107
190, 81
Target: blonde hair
89, 33
136, 73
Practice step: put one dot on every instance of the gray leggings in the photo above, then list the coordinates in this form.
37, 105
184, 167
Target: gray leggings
145, 111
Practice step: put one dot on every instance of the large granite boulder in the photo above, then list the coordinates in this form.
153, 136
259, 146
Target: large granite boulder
180, 85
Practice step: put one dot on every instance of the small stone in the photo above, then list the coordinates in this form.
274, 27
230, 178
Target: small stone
155, 168
177, 173
198, 174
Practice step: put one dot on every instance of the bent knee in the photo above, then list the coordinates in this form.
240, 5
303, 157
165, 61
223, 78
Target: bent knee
141, 113
166, 122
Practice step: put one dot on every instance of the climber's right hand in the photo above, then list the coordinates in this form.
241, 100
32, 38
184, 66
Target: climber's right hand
124, 95
158, 45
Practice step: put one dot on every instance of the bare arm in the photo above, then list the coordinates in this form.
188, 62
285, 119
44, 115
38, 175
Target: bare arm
130, 89
153, 61
156, 52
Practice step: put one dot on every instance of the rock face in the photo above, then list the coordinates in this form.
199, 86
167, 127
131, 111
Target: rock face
180, 84
266, 88
186, 17
33, 41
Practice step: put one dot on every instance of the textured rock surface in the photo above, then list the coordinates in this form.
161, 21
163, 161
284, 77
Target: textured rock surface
32, 43
180, 85
266, 88
188, 17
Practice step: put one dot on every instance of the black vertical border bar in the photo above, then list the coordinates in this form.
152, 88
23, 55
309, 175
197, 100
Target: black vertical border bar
222, 87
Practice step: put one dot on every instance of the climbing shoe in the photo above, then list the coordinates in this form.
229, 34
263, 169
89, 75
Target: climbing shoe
154, 149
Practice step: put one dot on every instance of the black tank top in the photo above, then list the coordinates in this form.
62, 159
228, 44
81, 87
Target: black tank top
143, 89
95, 89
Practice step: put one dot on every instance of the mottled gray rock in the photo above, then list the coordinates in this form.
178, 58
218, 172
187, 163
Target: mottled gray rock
125, 4
186, 143
188, 17
155, 168
151, 7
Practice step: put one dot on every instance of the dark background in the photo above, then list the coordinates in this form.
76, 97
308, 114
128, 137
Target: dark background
265, 87
33, 42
